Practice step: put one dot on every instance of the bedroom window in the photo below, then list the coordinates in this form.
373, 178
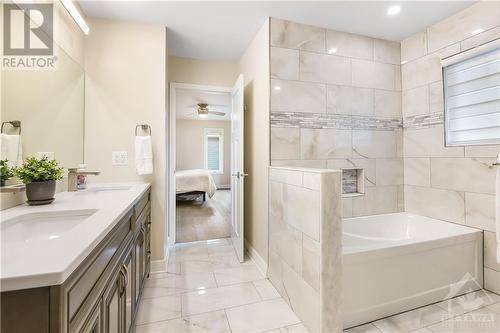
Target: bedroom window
214, 150
472, 99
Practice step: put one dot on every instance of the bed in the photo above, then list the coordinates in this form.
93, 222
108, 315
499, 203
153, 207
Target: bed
196, 181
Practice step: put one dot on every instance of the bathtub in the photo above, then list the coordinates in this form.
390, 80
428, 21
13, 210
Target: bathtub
397, 262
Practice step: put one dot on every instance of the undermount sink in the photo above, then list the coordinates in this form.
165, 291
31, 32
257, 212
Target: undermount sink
42, 226
110, 188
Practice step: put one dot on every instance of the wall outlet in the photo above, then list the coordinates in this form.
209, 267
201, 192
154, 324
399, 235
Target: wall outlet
49, 154
119, 158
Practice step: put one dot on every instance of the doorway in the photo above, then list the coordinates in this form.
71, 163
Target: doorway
205, 164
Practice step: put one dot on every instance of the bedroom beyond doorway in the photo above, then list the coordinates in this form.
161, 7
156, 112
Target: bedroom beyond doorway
205, 173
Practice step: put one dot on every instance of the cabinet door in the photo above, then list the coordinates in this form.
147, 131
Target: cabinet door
128, 290
94, 322
147, 247
139, 262
113, 303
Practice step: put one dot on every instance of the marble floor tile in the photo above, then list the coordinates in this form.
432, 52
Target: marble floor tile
219, 298
221, 250
367, 328
297, 328
262, 316
495, 307
158, 309
211, 322
480, 321
412, 320
178, 284
266, 289
469, 302
245, 273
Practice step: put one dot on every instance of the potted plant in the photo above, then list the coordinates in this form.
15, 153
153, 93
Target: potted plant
40, 177
5, 172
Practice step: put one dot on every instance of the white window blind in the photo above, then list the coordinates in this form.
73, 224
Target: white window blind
213, 153
472, 100
214, 150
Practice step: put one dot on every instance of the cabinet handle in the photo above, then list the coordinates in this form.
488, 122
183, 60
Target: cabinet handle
124, 274
143, 237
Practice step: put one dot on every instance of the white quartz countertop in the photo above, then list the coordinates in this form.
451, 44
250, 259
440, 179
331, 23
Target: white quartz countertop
32, 262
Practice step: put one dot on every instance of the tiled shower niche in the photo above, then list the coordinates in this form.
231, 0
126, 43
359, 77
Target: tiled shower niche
353, 182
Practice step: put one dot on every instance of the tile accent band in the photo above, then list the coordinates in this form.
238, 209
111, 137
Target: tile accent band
335, 121
423, 120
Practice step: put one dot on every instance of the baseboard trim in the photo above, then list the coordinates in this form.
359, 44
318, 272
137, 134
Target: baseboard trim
256, 258
158, 266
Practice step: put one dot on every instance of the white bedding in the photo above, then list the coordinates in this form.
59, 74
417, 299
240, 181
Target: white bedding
195, 180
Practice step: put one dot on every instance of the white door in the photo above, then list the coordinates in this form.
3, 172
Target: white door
237, 172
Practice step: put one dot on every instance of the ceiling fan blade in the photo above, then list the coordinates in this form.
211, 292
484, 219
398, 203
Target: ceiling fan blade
217, 113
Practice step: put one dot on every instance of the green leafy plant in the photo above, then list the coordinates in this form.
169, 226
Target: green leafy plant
39, 170
6, 172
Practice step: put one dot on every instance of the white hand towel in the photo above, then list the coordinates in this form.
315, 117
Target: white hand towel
12, 149
143, 155
497, 199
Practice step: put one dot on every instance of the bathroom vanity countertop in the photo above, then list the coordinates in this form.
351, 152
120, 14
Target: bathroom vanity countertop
30, 263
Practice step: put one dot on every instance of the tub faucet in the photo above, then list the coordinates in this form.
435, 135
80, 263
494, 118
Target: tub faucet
73, 177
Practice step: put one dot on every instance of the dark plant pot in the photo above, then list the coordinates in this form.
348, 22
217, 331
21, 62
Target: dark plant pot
2, 182
40, 193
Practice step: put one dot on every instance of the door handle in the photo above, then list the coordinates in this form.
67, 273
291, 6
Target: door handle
239, 175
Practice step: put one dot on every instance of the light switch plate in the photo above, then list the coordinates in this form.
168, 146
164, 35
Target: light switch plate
119, 158
49, 154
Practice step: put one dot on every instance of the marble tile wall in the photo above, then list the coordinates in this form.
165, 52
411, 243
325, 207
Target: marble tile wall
336, 103
450, 183
305, 254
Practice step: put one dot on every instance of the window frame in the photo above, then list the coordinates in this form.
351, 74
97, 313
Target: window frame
450, 61
214, 133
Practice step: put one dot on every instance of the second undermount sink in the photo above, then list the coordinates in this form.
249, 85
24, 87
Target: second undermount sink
42, 226
104, 189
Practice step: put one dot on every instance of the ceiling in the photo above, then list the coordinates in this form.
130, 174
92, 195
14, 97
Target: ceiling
187, 99
223, 30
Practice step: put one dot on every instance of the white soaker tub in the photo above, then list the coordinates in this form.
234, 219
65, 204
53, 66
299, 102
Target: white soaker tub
397, 262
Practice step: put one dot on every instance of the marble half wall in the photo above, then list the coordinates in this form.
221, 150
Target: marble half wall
336, 103
305, 243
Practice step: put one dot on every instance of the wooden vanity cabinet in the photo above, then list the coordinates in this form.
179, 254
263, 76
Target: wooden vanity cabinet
100, 296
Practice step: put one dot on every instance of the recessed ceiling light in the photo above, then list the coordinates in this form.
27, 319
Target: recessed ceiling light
477, 31
404, 62
332, 51
277, 88
393, 10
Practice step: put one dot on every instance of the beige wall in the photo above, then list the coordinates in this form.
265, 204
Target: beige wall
449, 183
125, 66
254, 64
205, 72
190, 147
355, 95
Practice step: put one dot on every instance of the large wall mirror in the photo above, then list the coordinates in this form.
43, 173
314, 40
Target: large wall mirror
49, 104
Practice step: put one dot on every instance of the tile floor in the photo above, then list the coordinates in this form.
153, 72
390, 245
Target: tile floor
197, 220
206, 289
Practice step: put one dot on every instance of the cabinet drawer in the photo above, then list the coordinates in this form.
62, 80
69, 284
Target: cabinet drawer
86, 278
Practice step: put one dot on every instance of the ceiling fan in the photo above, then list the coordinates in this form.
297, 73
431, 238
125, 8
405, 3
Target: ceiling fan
203, 110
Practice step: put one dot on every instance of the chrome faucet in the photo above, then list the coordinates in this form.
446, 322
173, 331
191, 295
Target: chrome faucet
73, 177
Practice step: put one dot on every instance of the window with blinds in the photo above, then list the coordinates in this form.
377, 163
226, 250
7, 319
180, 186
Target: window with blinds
214, 150
472, 100
213, 153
